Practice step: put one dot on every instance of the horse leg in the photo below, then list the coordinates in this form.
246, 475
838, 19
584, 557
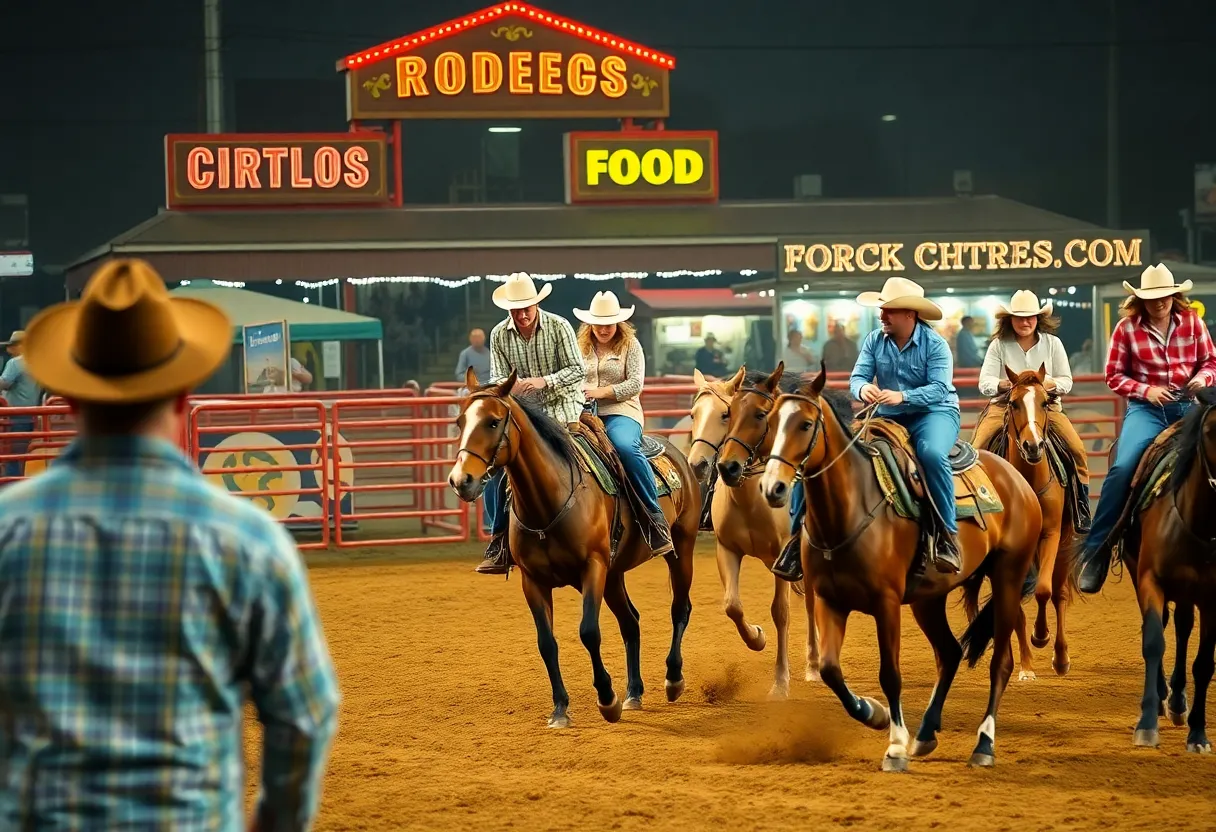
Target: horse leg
589, 634
1061, 598
947, 653
1049, 548
781, 621
680, 570
812, 637
1007, 603
617, 598
1152, 647
887, 618
1184, 625
869, 712
728, 569
1026, 658
1205, 665
540, 601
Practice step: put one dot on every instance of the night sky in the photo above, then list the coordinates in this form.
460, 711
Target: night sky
1015, 93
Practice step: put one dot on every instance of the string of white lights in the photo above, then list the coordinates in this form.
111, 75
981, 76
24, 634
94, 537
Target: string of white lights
452, 283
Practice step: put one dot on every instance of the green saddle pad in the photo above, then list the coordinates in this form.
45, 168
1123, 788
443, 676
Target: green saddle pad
973, 492
666, 477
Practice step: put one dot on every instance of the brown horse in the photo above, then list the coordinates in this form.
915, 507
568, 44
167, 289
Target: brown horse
559, 535
744, 523
1168, 548
857, 554
1025, 447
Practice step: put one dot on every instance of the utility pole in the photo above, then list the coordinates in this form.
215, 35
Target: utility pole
213, 71
1112, 119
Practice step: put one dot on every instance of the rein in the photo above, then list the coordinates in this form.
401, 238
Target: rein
752, 466
1006, 400
696, 439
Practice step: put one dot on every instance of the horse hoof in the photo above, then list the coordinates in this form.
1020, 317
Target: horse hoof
1146, 738
674, 689
1027, 676
895, 764
1178, 719
1040, 643
923, 749
779, 692
633, 703
812, 675
1199, 748
1061, 668
758, 643
979, 760
559, 721
880, 717
611, 711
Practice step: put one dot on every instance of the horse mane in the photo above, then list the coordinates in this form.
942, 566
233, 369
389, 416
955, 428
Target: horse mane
553, 433
1190, 437
842, 407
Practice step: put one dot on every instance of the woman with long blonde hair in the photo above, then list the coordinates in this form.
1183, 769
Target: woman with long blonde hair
616, 370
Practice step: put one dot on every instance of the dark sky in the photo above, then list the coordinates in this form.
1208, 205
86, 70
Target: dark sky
1016, 93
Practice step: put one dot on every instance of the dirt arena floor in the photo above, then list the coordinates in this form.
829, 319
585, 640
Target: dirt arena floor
445, 700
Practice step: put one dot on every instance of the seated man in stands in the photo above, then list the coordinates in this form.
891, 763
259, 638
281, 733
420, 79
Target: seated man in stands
543, 351
906, 369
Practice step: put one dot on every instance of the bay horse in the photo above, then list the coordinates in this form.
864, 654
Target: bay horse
1168, 547
857, 553
1025, 447
559, 536
744, 523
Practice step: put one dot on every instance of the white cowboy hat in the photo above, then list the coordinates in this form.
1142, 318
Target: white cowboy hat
519, 292
604, 309
1157, 282
901, 293
1024, 304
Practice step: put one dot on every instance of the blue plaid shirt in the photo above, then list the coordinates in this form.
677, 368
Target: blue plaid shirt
137, 602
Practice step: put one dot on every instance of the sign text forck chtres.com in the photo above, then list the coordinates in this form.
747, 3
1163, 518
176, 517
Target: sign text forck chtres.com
275, 169
509, 61
935, 256
649, 166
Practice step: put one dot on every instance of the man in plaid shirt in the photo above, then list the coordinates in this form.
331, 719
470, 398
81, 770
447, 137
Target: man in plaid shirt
543, 351
138, 602
1160, 354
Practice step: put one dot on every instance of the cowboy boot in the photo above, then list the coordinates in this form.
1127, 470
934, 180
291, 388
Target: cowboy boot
498, 556
946, 557
789, 563
1095, 564
660, 536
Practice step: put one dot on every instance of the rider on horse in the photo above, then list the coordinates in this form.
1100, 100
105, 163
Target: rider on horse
1160, 354
616, 370
542, 349
1024, 341
907, 370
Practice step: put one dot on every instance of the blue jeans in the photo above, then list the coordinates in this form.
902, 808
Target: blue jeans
495, 497
19, 424
797, 506
626, 436
933, 435
1142, 423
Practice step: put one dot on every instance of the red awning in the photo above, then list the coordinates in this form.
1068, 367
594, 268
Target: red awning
724, 301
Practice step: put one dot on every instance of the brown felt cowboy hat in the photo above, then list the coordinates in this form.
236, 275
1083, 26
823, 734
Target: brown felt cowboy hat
126, 340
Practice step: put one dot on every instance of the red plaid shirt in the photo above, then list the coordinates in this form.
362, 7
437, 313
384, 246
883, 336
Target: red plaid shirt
1139, 360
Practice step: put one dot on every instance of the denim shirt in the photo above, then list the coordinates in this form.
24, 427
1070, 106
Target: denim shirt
923, 371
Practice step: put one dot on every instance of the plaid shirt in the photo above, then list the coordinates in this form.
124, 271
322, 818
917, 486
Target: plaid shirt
551, 353
136, 603
1140, 358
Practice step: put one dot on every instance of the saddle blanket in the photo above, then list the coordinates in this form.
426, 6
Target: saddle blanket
666, 477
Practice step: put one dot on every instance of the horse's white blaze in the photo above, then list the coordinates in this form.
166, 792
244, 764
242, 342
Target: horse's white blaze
472, 418
774, 470
988, 729
1029, 399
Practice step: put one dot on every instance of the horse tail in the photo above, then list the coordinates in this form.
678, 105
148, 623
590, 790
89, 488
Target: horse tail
971, 594
1068, 558
982, 629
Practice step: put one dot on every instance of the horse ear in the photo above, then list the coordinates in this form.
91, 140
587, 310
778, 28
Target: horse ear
698, 379
1042, 373
737, 380
770, 383
821, 380
1011, 375
470, 380
503, 390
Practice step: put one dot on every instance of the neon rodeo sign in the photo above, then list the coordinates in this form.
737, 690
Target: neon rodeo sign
985, 255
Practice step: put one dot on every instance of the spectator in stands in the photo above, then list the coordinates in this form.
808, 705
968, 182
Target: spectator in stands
964, 344
709, 358
797, 358
475, 355
840, 352
20, 390
141, 604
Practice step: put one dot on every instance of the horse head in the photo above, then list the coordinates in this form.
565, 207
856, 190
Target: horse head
710, 413
747, 430
796, 447
1028, 400
485, 436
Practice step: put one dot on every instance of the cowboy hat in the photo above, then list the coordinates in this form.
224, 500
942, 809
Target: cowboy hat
1024, 304
901, 293
1157, 282
604, 309
519, 292
126, 340
16, 338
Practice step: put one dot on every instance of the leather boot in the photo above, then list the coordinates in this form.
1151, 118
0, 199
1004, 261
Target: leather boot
660, 536
947, 559
1095, 564
498, 557
789, 564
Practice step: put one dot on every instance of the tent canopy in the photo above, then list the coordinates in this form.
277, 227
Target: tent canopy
305, 321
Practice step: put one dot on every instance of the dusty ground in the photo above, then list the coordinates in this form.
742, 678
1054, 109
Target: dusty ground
445, 701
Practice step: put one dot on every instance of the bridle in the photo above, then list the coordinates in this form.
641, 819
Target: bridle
1042, 428
696, 439
749, 465
491, 463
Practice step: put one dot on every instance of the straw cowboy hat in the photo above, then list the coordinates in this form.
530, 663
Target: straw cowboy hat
126, 340
519, 292
901, 293
605, 309
1157, 282
16, 338
1024, 304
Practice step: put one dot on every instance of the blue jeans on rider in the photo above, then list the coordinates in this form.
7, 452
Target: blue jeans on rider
495, 498
797, 506
933, 435
1142, 423
626, 436
17, 447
